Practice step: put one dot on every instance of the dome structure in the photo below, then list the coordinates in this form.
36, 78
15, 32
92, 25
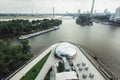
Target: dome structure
65, 50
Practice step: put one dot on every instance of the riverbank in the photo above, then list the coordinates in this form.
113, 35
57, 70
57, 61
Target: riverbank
38, 33
21, 27
116, 23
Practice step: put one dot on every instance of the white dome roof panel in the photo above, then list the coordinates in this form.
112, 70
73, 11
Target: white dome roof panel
66, 49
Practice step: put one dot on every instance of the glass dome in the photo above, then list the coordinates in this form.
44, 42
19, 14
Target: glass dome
65, 50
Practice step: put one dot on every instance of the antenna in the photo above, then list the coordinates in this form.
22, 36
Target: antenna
92, 8
91, 15
53, 12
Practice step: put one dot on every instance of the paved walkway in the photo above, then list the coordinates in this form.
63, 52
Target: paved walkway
23, 71
84, 63
80, 58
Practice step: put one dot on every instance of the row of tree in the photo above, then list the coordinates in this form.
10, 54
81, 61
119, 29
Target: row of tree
103, 18
84, 19
18, 27
13, 56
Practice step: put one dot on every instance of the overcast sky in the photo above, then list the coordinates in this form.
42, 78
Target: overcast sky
61, 6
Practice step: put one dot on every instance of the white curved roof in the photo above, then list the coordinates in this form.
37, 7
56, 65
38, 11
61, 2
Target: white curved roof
66, 49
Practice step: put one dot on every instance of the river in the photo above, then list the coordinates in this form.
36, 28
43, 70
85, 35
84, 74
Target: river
102, 40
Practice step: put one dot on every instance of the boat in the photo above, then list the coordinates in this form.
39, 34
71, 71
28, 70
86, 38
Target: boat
37, 33
23, 37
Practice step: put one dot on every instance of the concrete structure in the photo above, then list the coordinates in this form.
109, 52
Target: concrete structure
66, 64
72, 75
81, 68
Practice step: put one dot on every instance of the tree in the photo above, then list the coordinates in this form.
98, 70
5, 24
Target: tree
13, 56
18, 27
25, 46
84, 19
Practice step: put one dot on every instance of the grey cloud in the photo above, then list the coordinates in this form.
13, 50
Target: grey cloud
45, 6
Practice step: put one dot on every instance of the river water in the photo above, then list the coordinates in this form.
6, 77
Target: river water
102, 40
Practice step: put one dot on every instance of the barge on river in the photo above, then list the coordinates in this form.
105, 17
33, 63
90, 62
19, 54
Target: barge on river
37, 33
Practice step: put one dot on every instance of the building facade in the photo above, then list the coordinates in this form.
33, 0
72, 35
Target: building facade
116, 16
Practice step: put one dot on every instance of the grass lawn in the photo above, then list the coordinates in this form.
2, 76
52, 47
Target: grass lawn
33, 72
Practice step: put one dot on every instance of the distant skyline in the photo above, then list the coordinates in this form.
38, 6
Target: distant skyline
61, 6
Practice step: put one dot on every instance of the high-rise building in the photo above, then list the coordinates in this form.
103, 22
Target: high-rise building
106, 12
116, 16
78, 12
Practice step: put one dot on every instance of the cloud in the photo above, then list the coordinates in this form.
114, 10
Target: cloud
61, 6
